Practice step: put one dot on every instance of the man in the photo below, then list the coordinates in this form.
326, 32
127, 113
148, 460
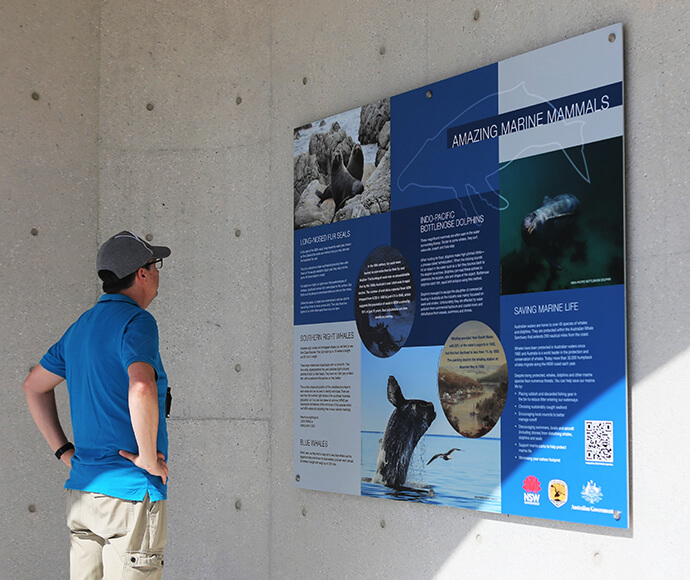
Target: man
117, 388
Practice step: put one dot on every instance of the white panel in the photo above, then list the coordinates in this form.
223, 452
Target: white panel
569, 67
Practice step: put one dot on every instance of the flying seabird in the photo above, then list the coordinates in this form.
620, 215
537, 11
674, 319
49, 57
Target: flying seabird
445, 456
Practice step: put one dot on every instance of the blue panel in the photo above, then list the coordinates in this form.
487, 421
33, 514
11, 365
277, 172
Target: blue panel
425, 170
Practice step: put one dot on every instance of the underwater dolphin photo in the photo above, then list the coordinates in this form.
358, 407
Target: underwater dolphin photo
561, 230
544, 225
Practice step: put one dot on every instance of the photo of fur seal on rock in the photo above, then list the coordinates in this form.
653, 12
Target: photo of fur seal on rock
344, 158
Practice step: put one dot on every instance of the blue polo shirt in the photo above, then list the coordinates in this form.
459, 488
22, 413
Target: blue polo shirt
93, 356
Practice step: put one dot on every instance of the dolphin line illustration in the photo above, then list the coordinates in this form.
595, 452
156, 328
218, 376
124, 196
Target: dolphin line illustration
470, 189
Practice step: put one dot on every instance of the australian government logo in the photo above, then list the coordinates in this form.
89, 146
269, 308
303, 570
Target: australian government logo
592, 494
558, 492
532, 487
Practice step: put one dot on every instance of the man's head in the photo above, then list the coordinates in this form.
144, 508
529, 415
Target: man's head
122, 256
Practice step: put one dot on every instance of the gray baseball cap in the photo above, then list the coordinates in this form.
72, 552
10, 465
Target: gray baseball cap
126, 252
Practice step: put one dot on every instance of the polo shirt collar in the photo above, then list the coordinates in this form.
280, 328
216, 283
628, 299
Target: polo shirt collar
117, 298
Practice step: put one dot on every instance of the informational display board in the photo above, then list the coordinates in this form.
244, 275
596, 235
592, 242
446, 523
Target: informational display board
459, 288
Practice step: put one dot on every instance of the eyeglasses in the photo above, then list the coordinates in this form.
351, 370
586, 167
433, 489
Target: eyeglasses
158, 263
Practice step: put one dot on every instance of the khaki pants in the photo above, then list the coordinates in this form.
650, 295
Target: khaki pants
114, 538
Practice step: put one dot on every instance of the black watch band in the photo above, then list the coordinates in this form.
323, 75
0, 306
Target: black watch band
65, 447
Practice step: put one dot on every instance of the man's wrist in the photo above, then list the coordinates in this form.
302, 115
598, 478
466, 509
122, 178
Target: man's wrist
66, 447
148, 462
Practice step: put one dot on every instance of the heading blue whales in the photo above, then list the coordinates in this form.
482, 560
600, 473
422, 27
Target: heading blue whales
543, 227
408, 422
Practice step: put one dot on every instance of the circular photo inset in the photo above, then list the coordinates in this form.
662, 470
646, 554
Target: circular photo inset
473, 379
384, 301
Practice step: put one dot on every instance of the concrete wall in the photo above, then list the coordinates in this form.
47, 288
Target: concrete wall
49, 84
175, 119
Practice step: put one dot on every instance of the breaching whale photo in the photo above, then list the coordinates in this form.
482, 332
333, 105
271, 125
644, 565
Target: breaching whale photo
407, 424
410, 452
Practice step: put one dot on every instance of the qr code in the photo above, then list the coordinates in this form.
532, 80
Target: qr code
599, 441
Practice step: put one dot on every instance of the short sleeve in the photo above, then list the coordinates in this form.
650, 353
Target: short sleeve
140, 341
54, 359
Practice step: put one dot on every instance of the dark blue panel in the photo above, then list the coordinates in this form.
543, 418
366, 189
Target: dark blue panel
424, 169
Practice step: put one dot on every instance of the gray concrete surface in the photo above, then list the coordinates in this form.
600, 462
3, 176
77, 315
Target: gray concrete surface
175, 119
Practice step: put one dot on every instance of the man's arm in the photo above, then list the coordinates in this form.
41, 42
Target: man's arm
143, 410
39, 388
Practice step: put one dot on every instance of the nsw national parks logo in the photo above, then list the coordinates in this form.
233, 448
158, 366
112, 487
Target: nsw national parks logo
532, 487
558, 492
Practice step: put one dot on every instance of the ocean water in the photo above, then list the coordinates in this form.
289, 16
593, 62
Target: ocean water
348, 121
471, 479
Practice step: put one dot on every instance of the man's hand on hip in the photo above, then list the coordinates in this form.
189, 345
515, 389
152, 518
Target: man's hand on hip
159, 467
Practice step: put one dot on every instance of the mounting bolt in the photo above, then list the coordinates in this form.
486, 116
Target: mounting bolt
238, 505
34, 231
429, 94
35, 96
238, 368
612, 37
149, 237
382, 50
476, 15
238, 233
238, 100
32, 508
